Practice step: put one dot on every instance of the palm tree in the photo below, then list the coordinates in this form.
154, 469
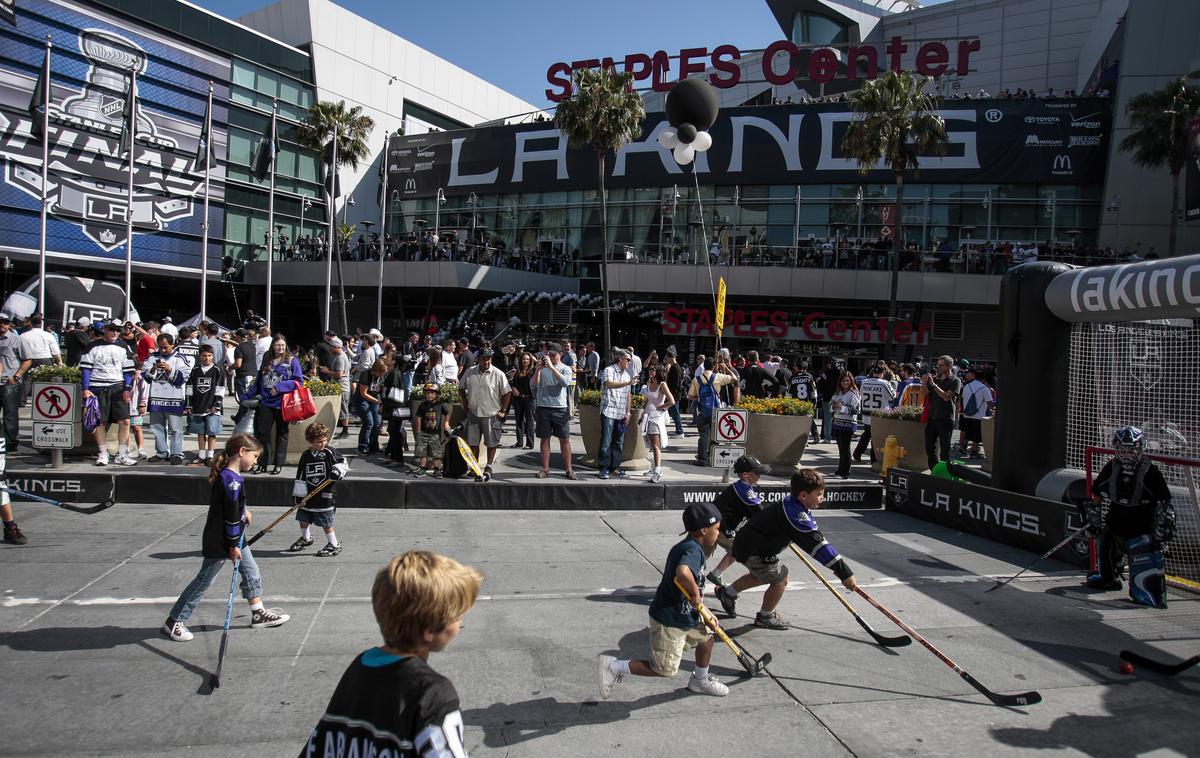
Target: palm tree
1159, 136
325, 121
894, 122
604, 114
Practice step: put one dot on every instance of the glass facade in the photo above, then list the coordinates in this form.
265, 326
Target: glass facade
815, 29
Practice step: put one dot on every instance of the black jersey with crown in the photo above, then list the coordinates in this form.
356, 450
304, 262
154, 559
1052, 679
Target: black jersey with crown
314, 468
386, 705
1121, 484
69, 298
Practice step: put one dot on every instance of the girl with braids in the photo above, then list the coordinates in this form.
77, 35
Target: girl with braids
228, 518
279, 374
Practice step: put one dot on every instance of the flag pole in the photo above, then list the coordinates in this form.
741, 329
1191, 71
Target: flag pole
332, 217
382, 231
45, 179
271, 210
207, 136
132, 127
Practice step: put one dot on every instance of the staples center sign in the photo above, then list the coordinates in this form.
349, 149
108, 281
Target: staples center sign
824, 64
814, 327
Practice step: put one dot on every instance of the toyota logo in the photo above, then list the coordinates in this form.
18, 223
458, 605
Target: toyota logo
993, 115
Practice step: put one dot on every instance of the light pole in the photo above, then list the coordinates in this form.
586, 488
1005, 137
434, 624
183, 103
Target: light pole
304, 205
437, 212
925, 224
858, 200
346, 209
1114, 206
1052, 209
472, 200
987, 203
796, 227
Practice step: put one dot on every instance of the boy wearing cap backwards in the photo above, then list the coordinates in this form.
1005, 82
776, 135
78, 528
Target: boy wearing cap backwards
738, 503
759, 543
430, 425
675, 624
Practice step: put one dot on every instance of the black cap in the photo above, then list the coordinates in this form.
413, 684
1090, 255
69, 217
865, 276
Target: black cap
699, 515
748, 463
114, 324
554, 347
485, 353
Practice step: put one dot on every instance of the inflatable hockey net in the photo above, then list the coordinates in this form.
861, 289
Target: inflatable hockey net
1143, 374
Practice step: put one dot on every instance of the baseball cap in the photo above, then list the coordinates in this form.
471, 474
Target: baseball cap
431, 387
335, 342
6, 318
114, 324
699, 515
82, 321
166, 319
554, 347
748, 463
486, 353
619, 354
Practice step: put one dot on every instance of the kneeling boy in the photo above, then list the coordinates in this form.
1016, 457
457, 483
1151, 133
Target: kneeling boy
759, 543
675, 624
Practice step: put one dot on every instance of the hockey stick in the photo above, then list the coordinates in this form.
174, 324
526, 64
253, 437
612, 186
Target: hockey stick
290, 511
108, 502
754, 666
214, 680
1170, 669
1023, 698
883, 640
1040, 558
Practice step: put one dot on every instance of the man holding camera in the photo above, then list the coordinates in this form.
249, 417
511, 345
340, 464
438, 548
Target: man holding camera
942, 389
551, 385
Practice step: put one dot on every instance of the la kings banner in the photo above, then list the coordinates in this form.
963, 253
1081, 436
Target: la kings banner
92, 54
990, 141
1030, 523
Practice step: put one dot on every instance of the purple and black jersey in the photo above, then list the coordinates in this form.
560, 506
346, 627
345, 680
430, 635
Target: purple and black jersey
768, 534
737, 503
226, 515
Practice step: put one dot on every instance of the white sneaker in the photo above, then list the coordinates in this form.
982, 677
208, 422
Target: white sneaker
124, 459
607, 677
177, 631
102, 458
655, 475
142, 453
707, 686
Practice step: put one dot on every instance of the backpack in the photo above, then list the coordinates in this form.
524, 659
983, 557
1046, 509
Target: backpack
972, 406
708, 397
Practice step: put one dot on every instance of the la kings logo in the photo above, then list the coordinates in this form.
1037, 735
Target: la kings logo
88, 175
314, 472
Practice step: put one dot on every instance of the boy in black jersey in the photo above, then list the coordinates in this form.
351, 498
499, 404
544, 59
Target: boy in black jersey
389, 701
430, 425
317, 464
202, 400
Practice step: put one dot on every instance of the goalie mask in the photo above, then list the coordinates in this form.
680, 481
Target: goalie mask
1129, 442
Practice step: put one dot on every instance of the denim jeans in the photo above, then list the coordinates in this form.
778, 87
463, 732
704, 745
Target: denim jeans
522, 413
168, 433
406, 381
371, 415
611, 444
674, 411
11, 400
827, 420
250, 579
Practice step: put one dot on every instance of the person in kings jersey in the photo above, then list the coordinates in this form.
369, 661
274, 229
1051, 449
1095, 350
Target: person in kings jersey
204, 393
224, 532
1131, 515
390, 701
738, 503
318, 463
877, 393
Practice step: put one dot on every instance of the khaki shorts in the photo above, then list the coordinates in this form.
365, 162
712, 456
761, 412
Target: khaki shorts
769, 571
667, 644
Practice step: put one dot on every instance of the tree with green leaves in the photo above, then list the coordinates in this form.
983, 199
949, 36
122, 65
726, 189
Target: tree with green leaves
1158, 121
604, 114
326, 121
895, 121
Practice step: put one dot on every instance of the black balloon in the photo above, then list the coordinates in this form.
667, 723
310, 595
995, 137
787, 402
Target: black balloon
692, 101
686, 133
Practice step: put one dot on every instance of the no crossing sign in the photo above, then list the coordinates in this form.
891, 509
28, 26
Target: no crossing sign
53, 402
729, 426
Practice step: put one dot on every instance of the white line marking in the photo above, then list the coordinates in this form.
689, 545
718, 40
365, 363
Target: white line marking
171, 533
313, 623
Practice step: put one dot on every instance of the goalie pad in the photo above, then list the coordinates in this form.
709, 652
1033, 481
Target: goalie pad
1147, 575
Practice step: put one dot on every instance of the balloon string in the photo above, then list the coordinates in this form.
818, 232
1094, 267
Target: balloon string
712, 288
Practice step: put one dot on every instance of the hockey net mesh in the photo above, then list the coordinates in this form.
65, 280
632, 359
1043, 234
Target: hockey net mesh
1142, 374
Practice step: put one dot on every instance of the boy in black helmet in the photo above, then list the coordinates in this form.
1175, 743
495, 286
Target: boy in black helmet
738, 503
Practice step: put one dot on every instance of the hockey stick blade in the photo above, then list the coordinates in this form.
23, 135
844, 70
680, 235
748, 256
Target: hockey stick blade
108, 502
881, 639
102, 506
1021, 698
1170, 669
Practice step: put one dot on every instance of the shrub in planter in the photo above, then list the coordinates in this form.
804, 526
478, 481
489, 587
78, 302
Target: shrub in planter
56, 374
319, 388
777, 406
777, 429
592, 398
904, 423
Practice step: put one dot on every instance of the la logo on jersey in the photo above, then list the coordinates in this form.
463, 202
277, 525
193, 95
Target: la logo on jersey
314, 472
87, 181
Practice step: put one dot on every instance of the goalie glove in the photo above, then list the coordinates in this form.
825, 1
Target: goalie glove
1095, 519
340, 469
1164, 523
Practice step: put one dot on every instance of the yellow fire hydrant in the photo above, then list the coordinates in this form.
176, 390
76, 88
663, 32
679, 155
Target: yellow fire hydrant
892, 453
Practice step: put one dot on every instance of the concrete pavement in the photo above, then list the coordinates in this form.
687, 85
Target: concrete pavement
86, 670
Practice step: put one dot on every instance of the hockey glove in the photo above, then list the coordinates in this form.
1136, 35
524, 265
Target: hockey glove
1164, 523
1095, 519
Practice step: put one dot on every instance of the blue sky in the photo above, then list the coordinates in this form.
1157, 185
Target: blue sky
513, 49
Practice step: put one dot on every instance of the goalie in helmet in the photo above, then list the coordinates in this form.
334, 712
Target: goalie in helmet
1131, 517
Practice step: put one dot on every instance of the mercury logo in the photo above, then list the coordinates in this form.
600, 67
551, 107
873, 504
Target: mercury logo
993, 115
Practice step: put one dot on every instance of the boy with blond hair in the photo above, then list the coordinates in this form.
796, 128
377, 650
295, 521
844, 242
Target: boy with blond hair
389, 701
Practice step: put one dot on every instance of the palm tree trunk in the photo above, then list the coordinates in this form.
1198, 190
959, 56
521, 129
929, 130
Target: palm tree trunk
608, 345
896, 249
1174, 213
341, 290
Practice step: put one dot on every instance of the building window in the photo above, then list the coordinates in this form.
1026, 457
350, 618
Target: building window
815, 29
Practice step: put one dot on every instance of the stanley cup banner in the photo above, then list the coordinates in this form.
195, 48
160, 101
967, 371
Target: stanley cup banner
94, 54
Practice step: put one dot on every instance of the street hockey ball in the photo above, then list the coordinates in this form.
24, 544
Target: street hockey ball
1126, 667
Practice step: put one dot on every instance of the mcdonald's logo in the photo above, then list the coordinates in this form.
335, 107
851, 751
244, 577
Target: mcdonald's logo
410, 184
1061, 165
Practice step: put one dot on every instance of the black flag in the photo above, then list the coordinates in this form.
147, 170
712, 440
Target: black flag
204, 147
39, 101
264, 155
128, 117
8, 11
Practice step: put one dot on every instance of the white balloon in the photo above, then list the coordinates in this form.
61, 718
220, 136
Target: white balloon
668, 138
684, 154
702, 142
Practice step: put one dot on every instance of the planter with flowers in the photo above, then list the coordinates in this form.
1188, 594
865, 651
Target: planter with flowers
327, 396
633, 454
987, 430
777, 430
903, 423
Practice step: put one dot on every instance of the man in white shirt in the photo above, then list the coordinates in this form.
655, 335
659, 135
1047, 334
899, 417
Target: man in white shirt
449, 363
168, 327
635, 367
38, 345
976, 398
486, 395
877, 393
261, 345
